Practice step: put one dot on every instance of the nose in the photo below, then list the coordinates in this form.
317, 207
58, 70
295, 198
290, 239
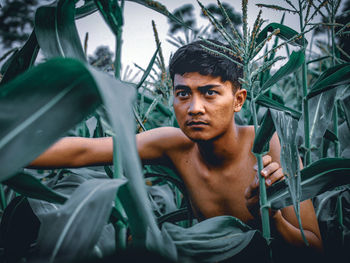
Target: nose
196, 106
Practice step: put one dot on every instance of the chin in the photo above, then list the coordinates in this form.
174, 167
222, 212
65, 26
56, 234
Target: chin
197, 136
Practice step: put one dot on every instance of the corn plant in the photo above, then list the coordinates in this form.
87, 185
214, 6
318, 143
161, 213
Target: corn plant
83, 101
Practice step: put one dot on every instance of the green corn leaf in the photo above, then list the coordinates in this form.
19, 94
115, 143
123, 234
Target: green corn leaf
345, 103
160, 107
69, 91
319, 177
52, 91
265, 101
74, 234
56, 31
20, 61
285, 33
331, 78
112, 14
286, 127
18, 229
320, 116
156, 6
88, 8
216, 239
296, 59
29, 186
173, 217
148, 69
264, 134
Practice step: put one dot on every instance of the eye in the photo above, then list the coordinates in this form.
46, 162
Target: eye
211, 92
182, 94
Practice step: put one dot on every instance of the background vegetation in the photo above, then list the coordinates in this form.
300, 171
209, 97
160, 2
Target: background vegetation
102, 213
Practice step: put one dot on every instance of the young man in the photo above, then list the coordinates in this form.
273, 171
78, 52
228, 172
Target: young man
210, 152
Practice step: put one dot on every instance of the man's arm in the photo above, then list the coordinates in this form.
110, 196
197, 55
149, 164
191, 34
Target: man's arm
284, 221
154, 146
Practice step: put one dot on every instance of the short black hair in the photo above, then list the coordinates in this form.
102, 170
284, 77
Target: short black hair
194, 57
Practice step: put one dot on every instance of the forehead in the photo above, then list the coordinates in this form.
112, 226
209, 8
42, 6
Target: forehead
195, 79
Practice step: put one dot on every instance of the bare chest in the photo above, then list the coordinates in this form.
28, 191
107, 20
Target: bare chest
220, 191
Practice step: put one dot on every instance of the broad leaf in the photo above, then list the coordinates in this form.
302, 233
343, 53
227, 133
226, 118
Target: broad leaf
69, 92
21, 60
286, 127
30, 186
88, 8
322, 175
51, 91
331, 78
320, 117
296, 59
156, 6
217, 239
74, 234
285, 33
264, 134
56, 31
265, 101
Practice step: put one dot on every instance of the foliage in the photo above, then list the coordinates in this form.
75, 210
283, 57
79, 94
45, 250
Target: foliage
155, 212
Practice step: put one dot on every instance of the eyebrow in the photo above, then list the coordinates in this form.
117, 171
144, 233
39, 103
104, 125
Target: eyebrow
206, 87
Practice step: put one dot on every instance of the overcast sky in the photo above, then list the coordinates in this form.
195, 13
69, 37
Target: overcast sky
138, 41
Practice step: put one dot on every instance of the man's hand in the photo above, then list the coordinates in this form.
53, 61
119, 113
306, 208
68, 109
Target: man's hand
272, 172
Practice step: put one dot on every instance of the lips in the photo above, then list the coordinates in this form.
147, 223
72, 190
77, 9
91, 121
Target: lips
196, 123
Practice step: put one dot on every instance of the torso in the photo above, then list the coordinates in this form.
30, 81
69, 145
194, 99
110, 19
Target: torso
217, 191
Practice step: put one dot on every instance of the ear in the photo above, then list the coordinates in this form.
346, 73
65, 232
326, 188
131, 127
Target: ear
240, 97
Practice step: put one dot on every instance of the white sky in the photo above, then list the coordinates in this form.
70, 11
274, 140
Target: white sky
138, 40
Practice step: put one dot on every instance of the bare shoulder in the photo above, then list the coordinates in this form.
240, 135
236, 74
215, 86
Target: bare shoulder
156, 145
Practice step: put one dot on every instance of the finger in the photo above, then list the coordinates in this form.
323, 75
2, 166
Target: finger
266, 159
270, 169
276, 176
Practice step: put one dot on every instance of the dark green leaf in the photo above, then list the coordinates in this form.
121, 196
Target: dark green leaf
285, 33
322, 175
20, 61
74, 234
173, 217
265, 101
329, 135
331, 78
148, 70
88, 8
296, 59
216, 239
52, 91
156, 6
29, 186
67, 91
56, 31
264, 134
345, 103
112, 14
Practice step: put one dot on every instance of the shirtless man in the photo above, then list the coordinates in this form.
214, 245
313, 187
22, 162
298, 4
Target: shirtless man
210, 152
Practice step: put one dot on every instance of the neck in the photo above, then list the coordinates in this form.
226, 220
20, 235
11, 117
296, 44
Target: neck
221, 150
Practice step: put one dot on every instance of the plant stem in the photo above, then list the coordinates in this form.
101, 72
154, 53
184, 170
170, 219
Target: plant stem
307, 159
264, 209
118, 53
335, 108
3, 202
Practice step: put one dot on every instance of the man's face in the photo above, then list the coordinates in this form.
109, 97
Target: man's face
204, 105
